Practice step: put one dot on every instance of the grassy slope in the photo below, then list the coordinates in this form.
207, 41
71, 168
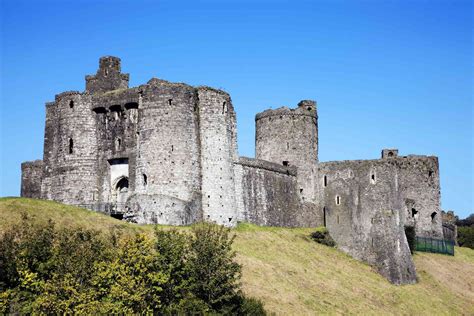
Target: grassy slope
295, 276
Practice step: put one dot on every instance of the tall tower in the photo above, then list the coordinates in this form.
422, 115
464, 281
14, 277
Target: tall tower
290, 137
218, 139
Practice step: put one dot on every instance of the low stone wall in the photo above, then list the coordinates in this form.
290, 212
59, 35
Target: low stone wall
266, 193
31, 175
162, 209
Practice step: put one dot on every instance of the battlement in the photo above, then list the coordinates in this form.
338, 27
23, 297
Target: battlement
108, 76
66, 94
305, 108
389, 153
266, 165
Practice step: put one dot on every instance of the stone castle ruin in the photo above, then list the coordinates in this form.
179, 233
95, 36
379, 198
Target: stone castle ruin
166, 153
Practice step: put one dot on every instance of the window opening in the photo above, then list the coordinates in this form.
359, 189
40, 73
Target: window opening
71, 104
413, 212
324, 216
338, 200
433, 216
71, 146
325, 181
224, 108
372, 178
118, 143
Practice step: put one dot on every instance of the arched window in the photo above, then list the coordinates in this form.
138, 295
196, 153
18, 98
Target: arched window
71, 104
71, 146
433, 216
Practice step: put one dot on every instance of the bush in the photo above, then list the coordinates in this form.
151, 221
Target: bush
468, 221
45, 270
322, 236
251, 306
411, 237
214, 275
466, 236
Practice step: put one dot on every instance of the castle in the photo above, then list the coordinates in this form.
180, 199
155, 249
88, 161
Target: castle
166, 153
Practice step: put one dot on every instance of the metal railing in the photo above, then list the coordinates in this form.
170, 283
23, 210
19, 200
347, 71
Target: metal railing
434, 245
106, 208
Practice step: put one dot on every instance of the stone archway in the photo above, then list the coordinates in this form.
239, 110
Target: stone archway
120, 193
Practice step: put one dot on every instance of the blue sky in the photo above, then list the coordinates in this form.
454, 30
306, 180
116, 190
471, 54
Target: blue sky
384, 73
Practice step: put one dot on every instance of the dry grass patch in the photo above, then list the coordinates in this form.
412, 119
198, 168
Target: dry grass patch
295, 276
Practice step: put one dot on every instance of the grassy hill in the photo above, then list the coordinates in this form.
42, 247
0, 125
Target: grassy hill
295, 276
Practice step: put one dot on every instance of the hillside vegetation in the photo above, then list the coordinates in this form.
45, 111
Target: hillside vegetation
293, 275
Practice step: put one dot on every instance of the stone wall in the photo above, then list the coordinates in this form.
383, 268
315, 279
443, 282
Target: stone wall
267, 193
420, 190
31, 176
363, 211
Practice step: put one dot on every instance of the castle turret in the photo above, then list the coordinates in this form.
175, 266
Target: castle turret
290, 137
218, 139
109, 76
70, 150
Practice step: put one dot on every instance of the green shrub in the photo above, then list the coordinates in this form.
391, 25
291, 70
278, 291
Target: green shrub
45, 270
411, 237
252, 306
466, 236
214, 275
322, 236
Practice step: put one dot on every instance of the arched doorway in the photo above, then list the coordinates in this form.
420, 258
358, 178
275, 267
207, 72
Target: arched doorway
120, 194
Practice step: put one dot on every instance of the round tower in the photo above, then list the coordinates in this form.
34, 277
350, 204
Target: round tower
75, 144
290, 137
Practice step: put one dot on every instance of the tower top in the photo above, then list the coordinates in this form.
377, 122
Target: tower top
108, 77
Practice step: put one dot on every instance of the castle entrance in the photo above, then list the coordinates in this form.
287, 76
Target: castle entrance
120, 194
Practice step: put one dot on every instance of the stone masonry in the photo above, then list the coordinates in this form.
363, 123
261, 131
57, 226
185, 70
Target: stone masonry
166, 153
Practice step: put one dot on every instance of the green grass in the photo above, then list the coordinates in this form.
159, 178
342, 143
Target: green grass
294, 275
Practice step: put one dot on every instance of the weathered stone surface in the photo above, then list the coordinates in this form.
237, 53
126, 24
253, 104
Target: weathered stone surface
166, 153
31, 175
364, 212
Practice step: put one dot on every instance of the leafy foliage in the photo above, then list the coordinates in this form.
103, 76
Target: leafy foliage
466, 232
466, 236
322, 236
76, 270
468, 221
